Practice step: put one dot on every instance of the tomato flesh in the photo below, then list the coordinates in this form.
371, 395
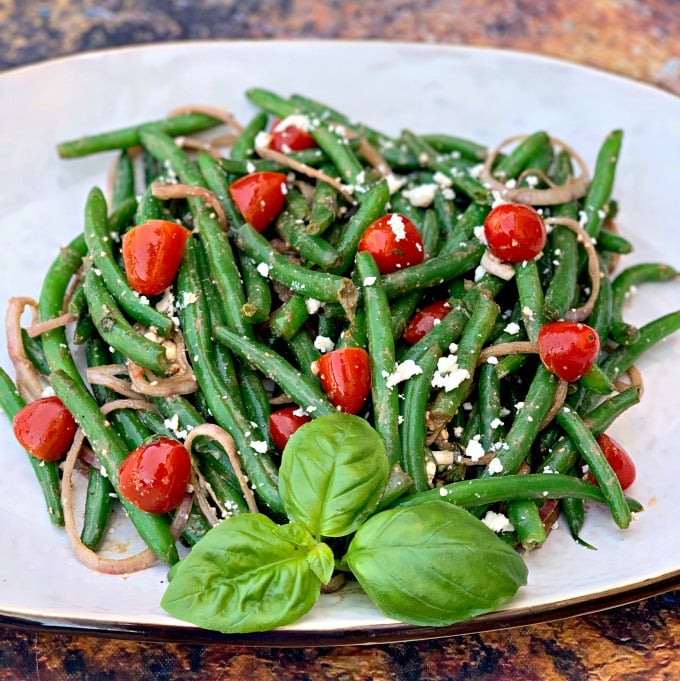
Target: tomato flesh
259, 197
345, 375
394, 242
152, 253
45, 428
284, 422
568, 349
155, 475
619, 459
287, 136
514, 232
425, 320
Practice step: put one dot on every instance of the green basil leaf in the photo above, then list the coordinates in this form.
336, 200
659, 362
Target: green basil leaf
333, 472
246, 574
322, 562
433, 564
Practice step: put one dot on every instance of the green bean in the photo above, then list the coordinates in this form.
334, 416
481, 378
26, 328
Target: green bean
290, 225
622, 357
246, 166
51, 303
598, 465
446, 212
98, 240
324, 207
601, 317
475, 334
46, 472
153, 528
271, 102
561, 291
401, 312
622, 286
489, 406
573, 511
121, 217
455, 169
125, 138
258, 303
602, 183
527, 422
123, 181
330, 139
438, 270
354, 335
199, 341
382, 354
526, 519
530, 297
310, 283
302, 348
416, 394
450, 144
149, 207
596, 381
34, 352
296, 385
473, 216
521, 156
288, 319
372, 207
244, 146
613, 243
117, 331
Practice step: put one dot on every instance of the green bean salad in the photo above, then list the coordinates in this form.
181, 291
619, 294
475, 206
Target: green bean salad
316, 353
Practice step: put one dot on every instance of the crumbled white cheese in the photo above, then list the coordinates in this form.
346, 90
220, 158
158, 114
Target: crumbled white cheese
474, 450
402, 372
422, 195
369, 281
495, 466
497, 522
395, 183
324, 343
396, 223
313, 305
260, 446
262, 140
263, 269
448, 374
513, 328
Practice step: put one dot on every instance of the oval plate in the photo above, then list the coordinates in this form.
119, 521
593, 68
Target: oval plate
486, 95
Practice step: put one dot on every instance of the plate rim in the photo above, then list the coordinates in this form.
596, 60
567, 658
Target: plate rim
381, 633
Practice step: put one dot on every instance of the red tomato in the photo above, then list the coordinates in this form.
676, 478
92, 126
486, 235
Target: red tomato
286, 137
152, 253
514, 232
394, 242
568, 349
284, 422
345, 375
424, 320
619, 459
45, 428
155, 475
259, 197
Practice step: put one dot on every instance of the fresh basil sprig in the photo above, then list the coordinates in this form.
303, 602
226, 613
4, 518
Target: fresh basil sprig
430, 564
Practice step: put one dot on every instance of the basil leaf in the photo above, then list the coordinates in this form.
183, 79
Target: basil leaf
333, 472
247, 574
433, 564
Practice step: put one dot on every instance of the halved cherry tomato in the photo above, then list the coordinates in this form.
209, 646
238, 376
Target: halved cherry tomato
287, 136
284, 422
152, 253
568, 349
155, 475
514, 232
619, 459
424, 320
259, 197
345, 375
394, 242
45, 428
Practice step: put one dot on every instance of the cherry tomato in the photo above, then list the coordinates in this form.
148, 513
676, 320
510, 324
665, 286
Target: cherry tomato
424, 320
155, 475
514, 232
152, 253
568, 349
394, 242
286, 136
284, 422
619, 459
259, 197
345, 375
45, 428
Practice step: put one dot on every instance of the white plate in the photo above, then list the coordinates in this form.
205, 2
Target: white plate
486, 95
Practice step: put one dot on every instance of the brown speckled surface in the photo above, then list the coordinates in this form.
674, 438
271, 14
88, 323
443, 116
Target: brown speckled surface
636, 38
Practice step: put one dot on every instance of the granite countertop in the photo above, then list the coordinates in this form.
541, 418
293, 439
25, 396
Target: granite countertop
639, 39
